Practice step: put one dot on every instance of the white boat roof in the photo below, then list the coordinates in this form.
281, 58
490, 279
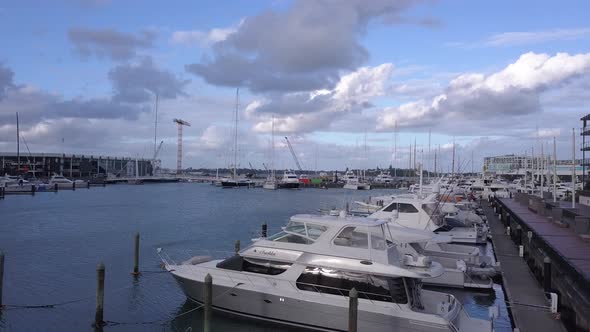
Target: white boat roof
337, 220
410, 235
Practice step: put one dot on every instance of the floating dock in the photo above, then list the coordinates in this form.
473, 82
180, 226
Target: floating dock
555, 259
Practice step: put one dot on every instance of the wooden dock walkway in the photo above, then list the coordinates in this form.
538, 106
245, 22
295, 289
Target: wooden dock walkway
526, 298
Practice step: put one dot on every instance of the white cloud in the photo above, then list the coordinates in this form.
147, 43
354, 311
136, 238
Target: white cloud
518, 38
308, 111
214, 137
202, 38
546, 132
513, 91
364, 83
530, 37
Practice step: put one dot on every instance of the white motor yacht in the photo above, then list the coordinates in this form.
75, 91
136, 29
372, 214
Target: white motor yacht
289, 180
353, 182
465, 266
16, 184
383, 178
64, 183
425, 214
302, 276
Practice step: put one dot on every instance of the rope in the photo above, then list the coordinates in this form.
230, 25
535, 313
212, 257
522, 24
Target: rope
58, 304
164, 321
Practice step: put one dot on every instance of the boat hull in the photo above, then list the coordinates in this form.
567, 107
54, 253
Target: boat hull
289, 185
234, 184
300, 310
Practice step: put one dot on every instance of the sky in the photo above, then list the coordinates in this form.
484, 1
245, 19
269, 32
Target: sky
351, 83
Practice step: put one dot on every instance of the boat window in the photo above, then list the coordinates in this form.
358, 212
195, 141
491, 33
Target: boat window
289, 238
329, 281
239, 263
378, 242
314, 231
299, 232
352, 237
401, 207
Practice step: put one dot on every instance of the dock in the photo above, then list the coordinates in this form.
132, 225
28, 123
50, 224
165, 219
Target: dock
555, 250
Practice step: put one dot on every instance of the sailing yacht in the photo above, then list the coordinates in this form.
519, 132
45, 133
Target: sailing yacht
271, 181
236, 181
302, 277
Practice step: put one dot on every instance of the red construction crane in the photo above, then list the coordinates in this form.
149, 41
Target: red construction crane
180, 123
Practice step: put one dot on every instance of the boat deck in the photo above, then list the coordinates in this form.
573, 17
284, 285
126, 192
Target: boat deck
519, 283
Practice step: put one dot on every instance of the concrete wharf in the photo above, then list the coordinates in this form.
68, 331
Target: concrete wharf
556, 251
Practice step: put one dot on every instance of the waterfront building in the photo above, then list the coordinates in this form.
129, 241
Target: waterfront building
44, 165
513, 164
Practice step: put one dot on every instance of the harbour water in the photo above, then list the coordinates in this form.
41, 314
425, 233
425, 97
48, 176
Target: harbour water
54, 241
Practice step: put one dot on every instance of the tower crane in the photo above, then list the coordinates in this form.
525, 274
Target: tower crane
180, 123
294, 155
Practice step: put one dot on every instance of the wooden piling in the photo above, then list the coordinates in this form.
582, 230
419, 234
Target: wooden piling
237, 247
55, 186
99, 315
547, 275
1, 276
1, 192
207, 302
74, 185
353, 303
136, 255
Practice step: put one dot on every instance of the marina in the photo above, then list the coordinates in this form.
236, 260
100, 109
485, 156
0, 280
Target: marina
298, 165
187, 219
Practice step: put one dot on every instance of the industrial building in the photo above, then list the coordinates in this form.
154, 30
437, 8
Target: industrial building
44, 165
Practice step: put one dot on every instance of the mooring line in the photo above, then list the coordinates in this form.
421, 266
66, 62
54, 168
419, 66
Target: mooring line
164, 321
58, 304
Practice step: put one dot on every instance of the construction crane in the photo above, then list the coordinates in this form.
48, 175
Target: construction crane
155, 161
293, 154
180, 123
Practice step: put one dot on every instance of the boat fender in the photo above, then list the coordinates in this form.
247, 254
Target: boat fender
461, 266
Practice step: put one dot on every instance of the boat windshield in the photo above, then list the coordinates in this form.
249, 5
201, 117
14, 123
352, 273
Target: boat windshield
299, 232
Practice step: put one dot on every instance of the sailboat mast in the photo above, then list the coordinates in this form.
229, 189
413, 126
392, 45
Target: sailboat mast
453, 168
17, 146
272, 151
428, 169
156, 128
395, 150
236, 133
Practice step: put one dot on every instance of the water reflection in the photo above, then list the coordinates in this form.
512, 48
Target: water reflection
188, 320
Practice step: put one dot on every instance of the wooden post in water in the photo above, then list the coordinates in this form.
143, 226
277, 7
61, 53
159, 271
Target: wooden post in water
207, 302
136, 255
74, 185
237, 247
1, 276
353, 303
98, 317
